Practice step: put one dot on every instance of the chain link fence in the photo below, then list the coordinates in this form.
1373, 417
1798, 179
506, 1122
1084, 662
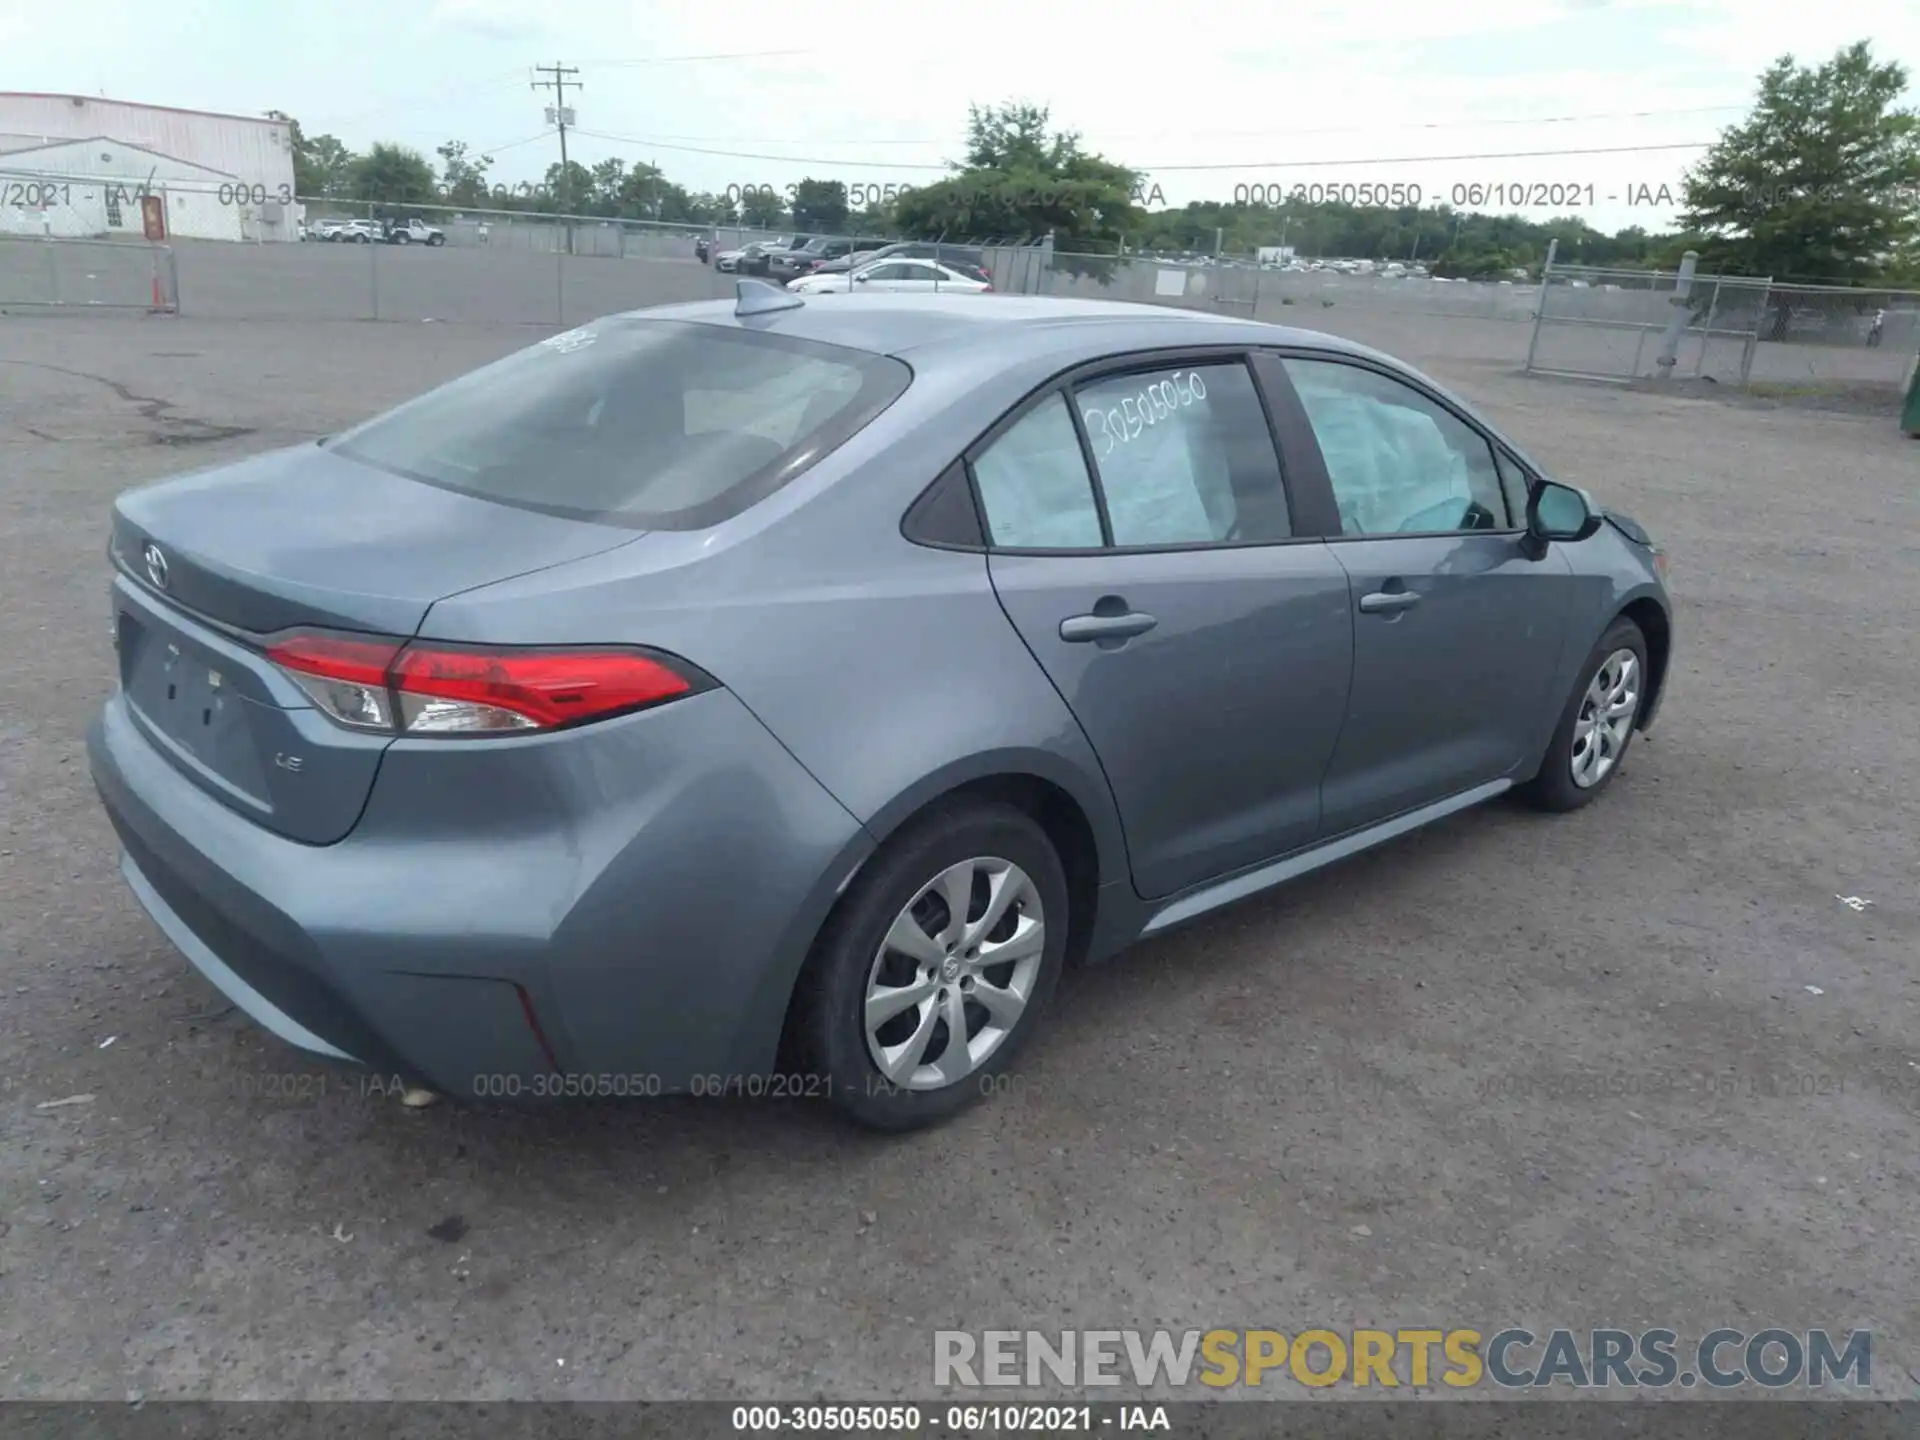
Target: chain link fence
71, 241
1598, 324
1821, 335
72, 274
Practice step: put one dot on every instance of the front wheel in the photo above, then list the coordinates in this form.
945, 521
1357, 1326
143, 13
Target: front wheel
936, 966
1596, 727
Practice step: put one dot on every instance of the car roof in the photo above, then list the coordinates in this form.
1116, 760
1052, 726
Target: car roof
950, 325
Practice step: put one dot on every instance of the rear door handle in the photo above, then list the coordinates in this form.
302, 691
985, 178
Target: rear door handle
1080, 628
1387, 602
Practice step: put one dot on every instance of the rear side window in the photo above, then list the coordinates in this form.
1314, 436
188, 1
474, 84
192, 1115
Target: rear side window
1034, 486
656, 424
1185, 457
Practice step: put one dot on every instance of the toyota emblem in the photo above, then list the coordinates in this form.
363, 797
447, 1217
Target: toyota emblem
156, 559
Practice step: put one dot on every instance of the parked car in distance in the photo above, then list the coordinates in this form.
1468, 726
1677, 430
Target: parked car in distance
960, 256
359, 232
761, 261
325, 229
806, 258
592, 764
730, 262
900, 276
842, 264
414, 232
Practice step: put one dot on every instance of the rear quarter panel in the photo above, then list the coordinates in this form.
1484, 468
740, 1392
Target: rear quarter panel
886, 668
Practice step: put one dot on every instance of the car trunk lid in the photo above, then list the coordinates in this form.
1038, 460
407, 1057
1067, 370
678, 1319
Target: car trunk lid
212, 564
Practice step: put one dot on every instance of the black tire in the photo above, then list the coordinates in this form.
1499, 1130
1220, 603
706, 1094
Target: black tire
830, 1026
1554, 788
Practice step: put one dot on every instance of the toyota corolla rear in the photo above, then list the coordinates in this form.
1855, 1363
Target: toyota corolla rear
479, 866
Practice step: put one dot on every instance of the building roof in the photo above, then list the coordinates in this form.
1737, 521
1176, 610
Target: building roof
9, 155
134, 105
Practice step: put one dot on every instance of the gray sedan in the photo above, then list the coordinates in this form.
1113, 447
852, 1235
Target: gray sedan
771, 697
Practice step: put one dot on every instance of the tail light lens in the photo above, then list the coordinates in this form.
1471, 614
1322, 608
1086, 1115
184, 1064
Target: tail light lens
424, 688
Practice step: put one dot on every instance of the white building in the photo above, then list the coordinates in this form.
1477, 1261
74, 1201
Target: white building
93, 187
227, 177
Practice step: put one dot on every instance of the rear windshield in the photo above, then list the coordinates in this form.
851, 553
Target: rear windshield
656, 424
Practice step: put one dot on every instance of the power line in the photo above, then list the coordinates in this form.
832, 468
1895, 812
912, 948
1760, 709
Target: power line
684, 59
419, 101
1105, 138
491, 150
1428, 159
1166, 169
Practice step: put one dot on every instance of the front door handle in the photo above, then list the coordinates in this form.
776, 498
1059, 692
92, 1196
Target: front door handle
1077, 629
1388, 602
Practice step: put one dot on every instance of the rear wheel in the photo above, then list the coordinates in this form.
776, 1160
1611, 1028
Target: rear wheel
1596, 727
935, 969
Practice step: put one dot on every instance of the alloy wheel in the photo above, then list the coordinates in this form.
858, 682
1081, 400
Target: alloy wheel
952, 978
1605, 722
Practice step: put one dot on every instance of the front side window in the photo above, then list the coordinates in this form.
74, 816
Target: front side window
1185, 456
649, 423
1034, 486
1399, 463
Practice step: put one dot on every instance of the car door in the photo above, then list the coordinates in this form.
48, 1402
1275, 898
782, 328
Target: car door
889, 275
1142, 542
1457, 628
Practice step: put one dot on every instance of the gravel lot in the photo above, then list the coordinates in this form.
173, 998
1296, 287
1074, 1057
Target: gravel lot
1636, 1066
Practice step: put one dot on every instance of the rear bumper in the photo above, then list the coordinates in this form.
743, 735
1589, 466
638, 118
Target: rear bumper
623, 908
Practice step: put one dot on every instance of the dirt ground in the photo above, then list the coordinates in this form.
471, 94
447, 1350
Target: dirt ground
1636, 1066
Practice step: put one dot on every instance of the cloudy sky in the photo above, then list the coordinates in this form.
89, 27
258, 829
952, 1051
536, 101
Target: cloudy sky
1204, 95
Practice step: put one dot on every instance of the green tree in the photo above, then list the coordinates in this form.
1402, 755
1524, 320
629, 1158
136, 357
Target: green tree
647, 194
762, 210
707, 208
1023, 179
570, 190
606, 187
1821, 182
820, 207
464, 174
393, 175
322, 166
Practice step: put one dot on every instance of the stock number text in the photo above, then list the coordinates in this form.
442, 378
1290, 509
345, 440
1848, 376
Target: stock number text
896, 1419
240, 193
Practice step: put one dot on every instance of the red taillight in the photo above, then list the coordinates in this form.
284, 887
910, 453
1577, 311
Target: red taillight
542, 688
433, 689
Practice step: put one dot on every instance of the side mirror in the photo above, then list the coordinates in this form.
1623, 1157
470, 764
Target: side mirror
860, 279
1559, 512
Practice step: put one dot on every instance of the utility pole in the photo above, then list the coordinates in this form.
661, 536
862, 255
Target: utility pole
561, 116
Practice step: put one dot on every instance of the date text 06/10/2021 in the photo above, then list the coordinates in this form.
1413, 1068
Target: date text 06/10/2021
1463, 194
